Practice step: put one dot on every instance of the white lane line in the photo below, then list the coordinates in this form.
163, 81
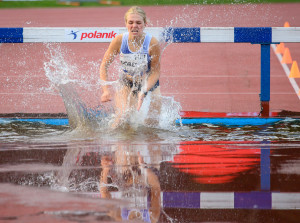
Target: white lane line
28, 93
216, 93
210, 76
287, 72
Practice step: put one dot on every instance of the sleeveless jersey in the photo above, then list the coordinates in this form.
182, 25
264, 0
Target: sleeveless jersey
144, 214
135, 63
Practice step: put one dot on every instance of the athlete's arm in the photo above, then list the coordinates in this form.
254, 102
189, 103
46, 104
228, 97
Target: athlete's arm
154, 52
109, 56
154, 75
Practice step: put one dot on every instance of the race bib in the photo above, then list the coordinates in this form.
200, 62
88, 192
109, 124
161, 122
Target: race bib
134, 63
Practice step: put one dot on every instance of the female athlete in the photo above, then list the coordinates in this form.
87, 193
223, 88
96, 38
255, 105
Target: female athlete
140, 62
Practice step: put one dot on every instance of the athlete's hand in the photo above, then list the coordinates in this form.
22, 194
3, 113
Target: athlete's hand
140, 100
105, 97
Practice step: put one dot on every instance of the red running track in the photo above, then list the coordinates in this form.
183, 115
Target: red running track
223, 77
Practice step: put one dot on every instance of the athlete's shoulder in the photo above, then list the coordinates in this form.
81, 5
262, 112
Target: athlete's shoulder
118, 38
116, 42
154, 41
154, 47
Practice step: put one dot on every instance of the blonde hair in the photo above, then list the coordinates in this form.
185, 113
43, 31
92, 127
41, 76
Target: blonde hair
136, 10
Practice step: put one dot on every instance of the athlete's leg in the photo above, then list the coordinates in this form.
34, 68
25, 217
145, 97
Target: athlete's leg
121, 104
154, 108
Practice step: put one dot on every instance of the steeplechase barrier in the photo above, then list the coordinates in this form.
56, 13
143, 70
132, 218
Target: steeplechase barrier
265, 36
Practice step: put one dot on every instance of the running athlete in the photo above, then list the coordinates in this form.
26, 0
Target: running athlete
140, 61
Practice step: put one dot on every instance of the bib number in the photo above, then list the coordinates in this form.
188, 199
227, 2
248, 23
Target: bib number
134, 63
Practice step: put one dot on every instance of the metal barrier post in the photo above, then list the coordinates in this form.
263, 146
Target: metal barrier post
265, 80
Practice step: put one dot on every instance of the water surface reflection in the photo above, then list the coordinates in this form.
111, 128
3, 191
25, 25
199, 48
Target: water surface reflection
149, 177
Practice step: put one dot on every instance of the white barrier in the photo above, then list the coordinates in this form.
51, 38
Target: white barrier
259, 35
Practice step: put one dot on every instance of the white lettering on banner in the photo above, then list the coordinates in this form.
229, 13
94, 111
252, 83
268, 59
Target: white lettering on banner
90, 35
135, 63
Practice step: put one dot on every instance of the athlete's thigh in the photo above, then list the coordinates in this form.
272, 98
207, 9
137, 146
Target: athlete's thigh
121, 97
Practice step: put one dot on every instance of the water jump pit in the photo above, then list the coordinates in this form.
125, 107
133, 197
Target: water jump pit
204, 172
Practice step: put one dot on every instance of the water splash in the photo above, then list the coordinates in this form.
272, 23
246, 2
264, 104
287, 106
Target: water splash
65, 78
57, 69
233, 14
77, 92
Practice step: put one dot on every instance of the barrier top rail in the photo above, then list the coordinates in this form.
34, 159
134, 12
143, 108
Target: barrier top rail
254, 35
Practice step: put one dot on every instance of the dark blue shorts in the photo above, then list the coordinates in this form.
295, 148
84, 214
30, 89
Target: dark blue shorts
136, 87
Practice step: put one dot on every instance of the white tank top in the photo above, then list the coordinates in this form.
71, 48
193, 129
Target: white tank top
135, 63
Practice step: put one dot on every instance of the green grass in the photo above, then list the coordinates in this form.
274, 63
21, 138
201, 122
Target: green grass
204, 2
54, 3
42, 4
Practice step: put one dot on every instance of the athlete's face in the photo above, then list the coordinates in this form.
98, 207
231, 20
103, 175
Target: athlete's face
135, 25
